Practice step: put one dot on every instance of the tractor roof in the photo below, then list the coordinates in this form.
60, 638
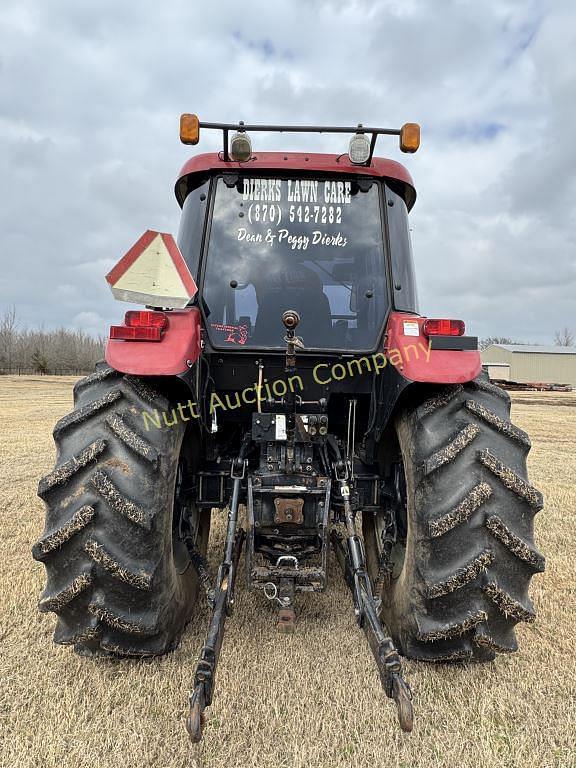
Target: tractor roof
306, 162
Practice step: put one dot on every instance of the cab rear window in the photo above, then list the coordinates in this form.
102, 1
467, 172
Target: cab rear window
312, 245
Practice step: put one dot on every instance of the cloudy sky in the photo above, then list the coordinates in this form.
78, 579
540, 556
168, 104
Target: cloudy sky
90, 98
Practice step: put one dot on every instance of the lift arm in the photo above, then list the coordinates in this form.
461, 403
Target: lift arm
352, 560
201, 695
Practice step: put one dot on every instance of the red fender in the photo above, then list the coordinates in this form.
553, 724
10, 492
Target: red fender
179, 347
409, 351
405, 346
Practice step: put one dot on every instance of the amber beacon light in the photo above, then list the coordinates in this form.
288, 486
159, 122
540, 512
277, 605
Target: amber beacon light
189, 129
409, 137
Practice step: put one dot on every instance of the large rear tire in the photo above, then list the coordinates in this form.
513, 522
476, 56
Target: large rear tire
119, 577
466, 553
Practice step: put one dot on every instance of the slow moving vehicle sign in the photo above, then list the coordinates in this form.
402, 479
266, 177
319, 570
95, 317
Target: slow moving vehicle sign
153, 272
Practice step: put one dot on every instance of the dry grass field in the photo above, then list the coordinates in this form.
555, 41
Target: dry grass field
306, 700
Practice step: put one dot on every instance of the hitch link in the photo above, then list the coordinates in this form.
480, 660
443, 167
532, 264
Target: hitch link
366, 608
222, 606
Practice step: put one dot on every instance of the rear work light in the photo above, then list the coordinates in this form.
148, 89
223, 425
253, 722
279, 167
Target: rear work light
140, 326
435, 327
241, 147
359, 149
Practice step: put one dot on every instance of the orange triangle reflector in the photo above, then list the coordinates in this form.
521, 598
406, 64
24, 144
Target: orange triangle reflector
153, 272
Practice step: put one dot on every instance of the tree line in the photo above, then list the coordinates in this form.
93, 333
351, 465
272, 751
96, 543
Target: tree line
562, 338
24, 350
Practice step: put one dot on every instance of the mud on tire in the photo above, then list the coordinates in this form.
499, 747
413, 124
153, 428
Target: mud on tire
470, 551
112, 577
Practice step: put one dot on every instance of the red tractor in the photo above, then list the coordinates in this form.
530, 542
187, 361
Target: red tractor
281, 365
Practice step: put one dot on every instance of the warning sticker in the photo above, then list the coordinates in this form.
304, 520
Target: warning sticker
230, 334
280, 427
411, 328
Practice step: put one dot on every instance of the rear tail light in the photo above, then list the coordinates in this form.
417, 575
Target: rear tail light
145, 319
435, 327
140, 326
135, 334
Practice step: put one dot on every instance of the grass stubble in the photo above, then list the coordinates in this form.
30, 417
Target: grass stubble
306, 700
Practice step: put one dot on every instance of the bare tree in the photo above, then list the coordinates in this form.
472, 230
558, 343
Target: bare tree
495, 340
8, 333
564, 338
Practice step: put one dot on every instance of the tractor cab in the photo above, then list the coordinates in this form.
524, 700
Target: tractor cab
324, 235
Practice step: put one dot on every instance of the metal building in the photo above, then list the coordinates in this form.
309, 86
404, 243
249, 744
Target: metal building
527, 363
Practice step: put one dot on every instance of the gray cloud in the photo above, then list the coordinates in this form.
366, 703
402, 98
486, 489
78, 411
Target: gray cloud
90, 95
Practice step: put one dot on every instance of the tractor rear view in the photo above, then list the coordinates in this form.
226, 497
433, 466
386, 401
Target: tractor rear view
281, 376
